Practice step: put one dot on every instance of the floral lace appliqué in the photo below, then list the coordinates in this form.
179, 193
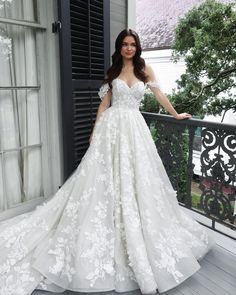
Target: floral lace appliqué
103, 90
101, 251
153, 84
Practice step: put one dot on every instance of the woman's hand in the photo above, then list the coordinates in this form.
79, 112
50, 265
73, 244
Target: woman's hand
183, 116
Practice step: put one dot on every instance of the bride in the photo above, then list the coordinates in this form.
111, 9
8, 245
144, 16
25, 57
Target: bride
115, 224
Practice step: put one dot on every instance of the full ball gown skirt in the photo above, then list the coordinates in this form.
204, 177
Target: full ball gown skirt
114, 225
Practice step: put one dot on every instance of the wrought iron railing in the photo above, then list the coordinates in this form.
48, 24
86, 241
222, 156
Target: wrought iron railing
212, 190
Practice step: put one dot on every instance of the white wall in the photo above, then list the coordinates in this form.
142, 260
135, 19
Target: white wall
166, 71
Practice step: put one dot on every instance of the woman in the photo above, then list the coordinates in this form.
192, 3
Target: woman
129, 67
116, 223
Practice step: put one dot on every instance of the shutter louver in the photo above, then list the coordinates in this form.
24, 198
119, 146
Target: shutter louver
85, 108
86, 38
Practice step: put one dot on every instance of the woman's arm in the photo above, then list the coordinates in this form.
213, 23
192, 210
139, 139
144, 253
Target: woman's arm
161, 97
104, 104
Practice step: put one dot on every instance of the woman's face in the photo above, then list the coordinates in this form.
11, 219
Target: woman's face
128, 48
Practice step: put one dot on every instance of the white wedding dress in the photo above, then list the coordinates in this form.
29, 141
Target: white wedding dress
114, 225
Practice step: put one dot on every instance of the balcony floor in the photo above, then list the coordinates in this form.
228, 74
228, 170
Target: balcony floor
217, 276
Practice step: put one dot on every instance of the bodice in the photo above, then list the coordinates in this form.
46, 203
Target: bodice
125, 96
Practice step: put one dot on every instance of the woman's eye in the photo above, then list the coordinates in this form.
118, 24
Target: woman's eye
126, 45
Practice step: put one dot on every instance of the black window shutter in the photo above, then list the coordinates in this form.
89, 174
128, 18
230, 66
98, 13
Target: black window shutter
85, 57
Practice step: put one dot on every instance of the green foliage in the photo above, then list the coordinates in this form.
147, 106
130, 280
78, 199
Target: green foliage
149, 103
178, 172
181, 171
206, 37
196, 201
153, 131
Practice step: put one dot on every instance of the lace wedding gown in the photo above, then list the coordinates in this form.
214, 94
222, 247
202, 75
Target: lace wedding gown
114, 225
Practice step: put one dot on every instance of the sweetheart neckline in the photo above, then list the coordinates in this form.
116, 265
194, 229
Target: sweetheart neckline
130, 87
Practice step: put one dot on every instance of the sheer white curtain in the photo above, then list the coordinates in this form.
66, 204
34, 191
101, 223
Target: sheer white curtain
21, 170
10, 175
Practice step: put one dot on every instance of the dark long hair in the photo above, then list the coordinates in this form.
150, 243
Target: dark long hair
117, 59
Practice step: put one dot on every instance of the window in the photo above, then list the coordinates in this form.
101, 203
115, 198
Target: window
22, 38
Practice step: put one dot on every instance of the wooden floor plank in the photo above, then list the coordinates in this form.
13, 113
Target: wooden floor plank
226, 252
214, 287
217, 274
196, 285
222, 260
173, 291
186, 290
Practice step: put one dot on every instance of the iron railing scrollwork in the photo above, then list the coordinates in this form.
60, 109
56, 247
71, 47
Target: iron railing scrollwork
218, 173
174, 140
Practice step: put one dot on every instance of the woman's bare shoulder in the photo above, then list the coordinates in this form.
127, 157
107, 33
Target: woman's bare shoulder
148, 67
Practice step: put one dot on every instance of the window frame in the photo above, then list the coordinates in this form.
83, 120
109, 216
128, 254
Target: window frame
48, 70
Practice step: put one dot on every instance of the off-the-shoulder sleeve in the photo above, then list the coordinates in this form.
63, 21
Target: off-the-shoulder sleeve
153, 84
103, 90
